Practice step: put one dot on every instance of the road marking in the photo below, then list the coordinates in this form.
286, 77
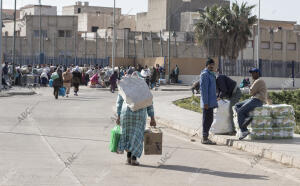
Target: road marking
52, 150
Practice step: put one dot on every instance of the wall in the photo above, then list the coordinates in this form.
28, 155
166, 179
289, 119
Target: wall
125, 62
127, 21
68, 10
53, 45
150, 62
272, 83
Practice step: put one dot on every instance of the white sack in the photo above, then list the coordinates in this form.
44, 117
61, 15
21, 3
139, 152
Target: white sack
222, 123
135, 93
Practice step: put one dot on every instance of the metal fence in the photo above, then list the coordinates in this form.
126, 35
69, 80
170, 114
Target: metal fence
268, 68
30, 60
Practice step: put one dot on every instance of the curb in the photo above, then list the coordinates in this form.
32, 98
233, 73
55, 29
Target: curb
247, 146
174, 89
21, 93
9, 94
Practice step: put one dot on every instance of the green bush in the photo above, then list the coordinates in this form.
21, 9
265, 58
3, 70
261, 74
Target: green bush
191, 103
285, 97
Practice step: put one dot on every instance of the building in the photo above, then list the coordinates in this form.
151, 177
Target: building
37, 10
279, 41
92, 18
8, 14
188, 21
165, 14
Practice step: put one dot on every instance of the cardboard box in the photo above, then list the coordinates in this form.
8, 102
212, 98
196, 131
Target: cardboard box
153, 141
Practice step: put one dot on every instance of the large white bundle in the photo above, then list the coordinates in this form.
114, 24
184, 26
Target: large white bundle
145, 73
135, 93
270, 122
222, 124
260, 134
284, 121
261, 122
24, 70
283, 133
265, 110
282, 110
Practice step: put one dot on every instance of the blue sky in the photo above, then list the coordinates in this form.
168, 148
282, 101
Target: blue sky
270, 9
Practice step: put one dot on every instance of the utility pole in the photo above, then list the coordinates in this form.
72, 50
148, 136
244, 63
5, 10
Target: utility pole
1, 45
40, 30
258, 36
114, 37
14, 39
169, 47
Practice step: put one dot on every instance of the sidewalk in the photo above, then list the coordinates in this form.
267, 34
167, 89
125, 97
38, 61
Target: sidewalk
175, 87
189, 122
14, 91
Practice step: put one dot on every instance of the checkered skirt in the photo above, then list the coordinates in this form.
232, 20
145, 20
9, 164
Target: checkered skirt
133, 126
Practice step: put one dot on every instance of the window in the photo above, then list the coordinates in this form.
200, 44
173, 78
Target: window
265, 45
64, 33
61, 33
36, 33
277, 46
291, 46
68, 33
98, 13
95, 28
79, 10
250, 44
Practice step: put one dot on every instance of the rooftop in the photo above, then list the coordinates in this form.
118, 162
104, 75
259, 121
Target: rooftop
32, 6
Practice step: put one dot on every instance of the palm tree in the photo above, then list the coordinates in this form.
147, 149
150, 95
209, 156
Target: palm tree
225, 30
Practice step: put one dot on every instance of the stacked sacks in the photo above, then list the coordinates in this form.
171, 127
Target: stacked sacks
283, 121
261, 124
270, 122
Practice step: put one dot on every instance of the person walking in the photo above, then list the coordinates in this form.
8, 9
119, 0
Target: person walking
208, 99
228, 89
153, 77
57, 82
76, 80
67, 78
133, 127
258, 91
176, 73
113, 81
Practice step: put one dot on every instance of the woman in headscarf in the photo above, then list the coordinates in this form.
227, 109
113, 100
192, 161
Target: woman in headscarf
76, 80
113, 81
58, 82
133, 126
67, 77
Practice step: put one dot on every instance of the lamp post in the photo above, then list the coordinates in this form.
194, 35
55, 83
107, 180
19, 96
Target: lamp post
114, 37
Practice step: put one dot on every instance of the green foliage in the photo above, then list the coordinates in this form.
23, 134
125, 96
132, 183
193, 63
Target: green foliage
285, 97
191, 103
224, 30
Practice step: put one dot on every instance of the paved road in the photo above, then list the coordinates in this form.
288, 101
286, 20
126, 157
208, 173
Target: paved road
64, 142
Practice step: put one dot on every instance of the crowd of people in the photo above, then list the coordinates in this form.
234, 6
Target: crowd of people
74, 76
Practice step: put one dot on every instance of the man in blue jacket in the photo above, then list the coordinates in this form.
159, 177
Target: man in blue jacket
208, 99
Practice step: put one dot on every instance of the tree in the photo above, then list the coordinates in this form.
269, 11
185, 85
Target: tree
224, 30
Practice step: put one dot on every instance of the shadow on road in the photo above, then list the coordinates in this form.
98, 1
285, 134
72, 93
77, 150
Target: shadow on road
207, 171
